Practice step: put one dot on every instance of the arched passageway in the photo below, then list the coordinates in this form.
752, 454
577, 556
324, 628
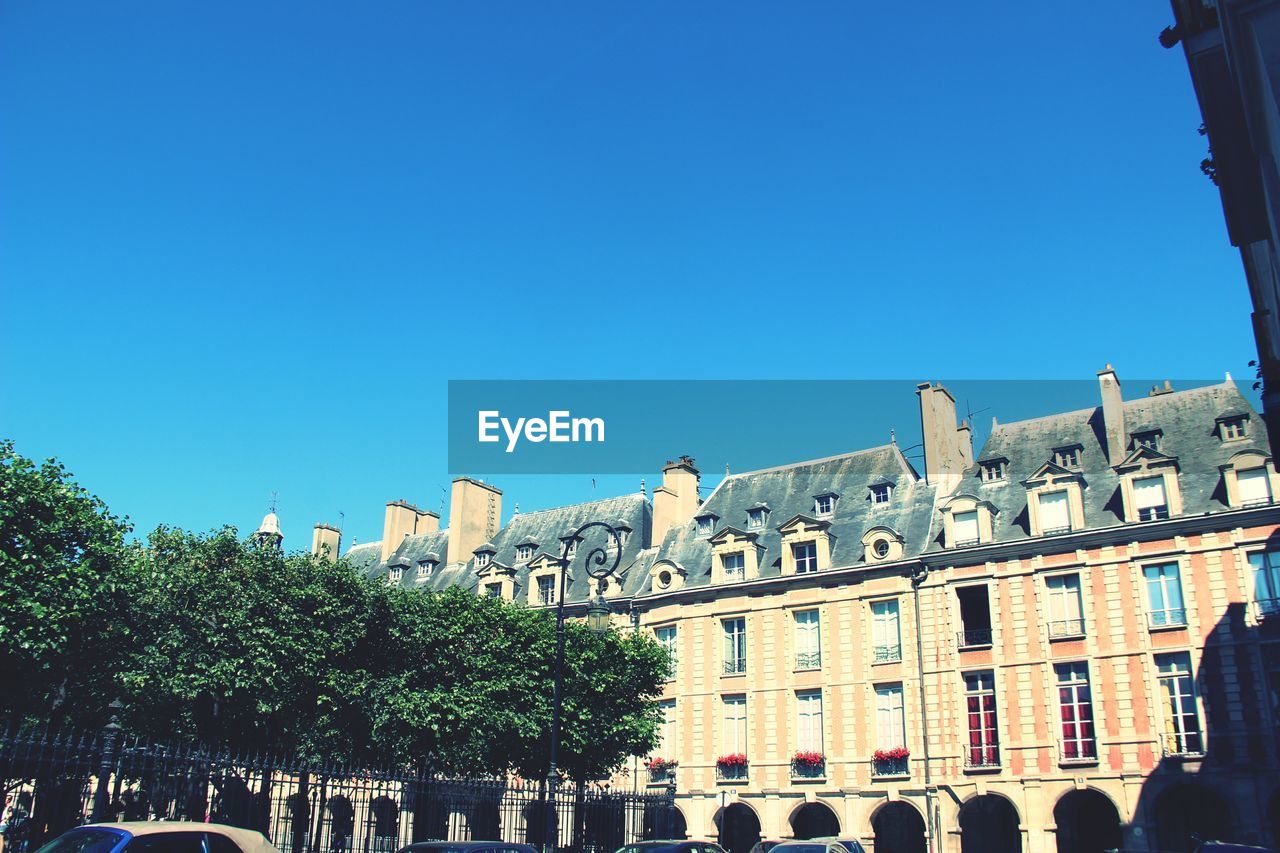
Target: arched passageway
814, 820
899, 828
663, 823
1187, 814
1087, 823
989, 824
738, 828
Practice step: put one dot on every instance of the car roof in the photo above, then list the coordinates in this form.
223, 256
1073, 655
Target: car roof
247, 839
423, 845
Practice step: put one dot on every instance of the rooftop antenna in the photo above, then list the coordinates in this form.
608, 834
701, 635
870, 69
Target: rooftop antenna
593, 488
972, 412
274, 496
893, 436
342, 521
517, 510
642, 489
441, 502
726, 469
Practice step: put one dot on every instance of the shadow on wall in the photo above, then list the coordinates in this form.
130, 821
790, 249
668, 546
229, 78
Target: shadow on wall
1217, 780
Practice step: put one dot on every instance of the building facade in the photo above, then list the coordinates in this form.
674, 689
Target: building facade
1069, 640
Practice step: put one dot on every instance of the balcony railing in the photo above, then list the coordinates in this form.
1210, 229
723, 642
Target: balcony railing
1266, 608
808, 769
1256, 502
731, 772
661, 775
974, 638
1078, 751
965, 543
891, 766
1174, 617
735, 667
1064, 628
888, 654
1183, 744
808, 660
1054, 531
982, 757
1153, 513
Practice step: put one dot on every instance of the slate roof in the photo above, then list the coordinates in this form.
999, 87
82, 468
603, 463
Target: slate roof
1186, 419
789, 491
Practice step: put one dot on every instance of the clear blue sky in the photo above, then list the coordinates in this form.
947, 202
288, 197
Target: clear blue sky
243, 245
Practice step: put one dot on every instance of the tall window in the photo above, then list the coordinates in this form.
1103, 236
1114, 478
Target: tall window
735, 566
886, 636
806, 557
734, 729
890, 726
975, 616
984, 737
1055, 515
1253, 486
1149, 498
1076, 712
1066, 614
809, 721
808, 640
1181, 720
547, 590
735, 645
668, 732
666, 637
1164, 595
966, 528
1266, 581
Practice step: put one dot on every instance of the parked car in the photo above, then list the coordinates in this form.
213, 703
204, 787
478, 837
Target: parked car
1225, 847
813, 845
675, 846
158, 836
764, 846
851, 845
468, 847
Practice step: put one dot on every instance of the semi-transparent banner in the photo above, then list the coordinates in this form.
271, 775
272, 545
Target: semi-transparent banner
629, 426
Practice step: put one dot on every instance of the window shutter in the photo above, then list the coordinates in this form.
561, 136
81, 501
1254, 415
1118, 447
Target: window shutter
1252, 485
1149, 492
966, 526
1054, 512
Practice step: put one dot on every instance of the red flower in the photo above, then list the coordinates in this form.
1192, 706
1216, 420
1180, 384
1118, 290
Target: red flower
737, 759
898, 753
658, 765
811, 758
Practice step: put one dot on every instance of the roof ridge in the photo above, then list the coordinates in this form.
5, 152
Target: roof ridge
1199, 389
635, 495
819, 461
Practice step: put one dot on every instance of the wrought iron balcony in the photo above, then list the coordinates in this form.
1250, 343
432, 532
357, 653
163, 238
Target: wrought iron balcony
891, 766
731, 772
1078, 751
1183, 745
965, 543
1061, 629
1153, 513
1266, 608
1054, 531
1174, 617
809, 769
808, 660
735, 667
888, 654
974, 638
982, 757
661, 775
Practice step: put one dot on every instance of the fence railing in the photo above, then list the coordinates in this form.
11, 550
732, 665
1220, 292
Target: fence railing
55, 781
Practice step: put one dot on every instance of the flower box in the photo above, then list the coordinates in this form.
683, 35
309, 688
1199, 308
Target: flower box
661, 770
891, 762
808, 765
731, 766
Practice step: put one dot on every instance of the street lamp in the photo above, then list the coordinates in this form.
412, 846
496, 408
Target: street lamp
601, 563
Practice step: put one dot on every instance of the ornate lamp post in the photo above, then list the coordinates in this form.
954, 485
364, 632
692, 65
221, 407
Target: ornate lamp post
599, 567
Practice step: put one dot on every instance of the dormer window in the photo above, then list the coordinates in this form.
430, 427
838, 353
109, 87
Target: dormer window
394, 576
1150, 499
824, 506
966, 528
880, 494
524, 553
572, 550
993, 470
734, 566
1148, 438
1067, 457
1232, 427
425, 568
756, 516
706, 525
482, 559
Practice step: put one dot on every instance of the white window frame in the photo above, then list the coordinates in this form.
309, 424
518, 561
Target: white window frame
1180, 703
808, 636
967, 515
891, 724
809, 562
886, 630
1164, 615
827, 501
986, 752
1152, 510
482, 560
809, 721
1068, 692
881, 494
546, 593
1060, 500
739, 571
668, 636
733, 631
1065, 604
734, 733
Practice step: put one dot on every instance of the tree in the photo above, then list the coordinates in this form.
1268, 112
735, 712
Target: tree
62, 581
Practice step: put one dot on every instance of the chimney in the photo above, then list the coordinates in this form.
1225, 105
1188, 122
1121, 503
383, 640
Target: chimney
1112, 414
676, 500
947, 444
964, 435
404, 519
475, 510
326, 541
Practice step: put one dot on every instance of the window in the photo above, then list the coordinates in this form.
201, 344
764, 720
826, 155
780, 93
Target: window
735, 645
755, 518
667, 731
966, 527
1233, 428
1066, 613
547, 590
493, 590
886, 637
666, 637
1253, 486
571, 549
168, 842
425, 567
809, 721
890, 726
394, 575
824, 505
734, 730
880, 548
524, 553
1150, 439
1164, 596
993, 470
805, 555
706, 525
880, 493
980, 704
734, 565
1076, 707
1149, 498
975, 616
1266, 582
1067, 457
808, 640
1181, 719
482, 560
1055, 513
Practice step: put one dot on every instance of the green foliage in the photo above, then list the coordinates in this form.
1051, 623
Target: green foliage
61, 584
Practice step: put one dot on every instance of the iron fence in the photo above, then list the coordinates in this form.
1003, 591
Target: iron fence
53, 781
